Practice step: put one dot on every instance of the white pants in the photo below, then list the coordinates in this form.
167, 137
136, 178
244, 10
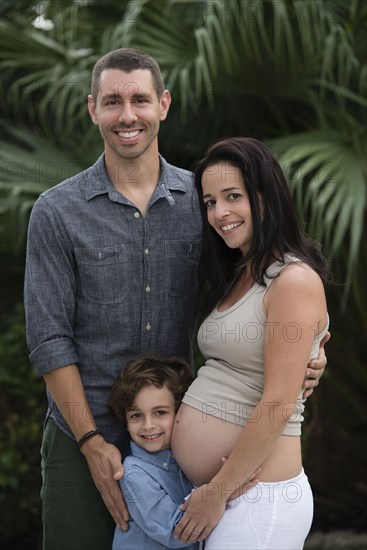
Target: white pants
272, 516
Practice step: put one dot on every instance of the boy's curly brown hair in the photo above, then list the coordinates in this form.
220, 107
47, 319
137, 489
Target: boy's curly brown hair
149, 370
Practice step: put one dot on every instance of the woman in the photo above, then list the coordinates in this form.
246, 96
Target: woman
268, 313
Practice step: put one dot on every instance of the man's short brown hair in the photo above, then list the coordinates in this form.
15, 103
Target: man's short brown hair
127, 60
149, 370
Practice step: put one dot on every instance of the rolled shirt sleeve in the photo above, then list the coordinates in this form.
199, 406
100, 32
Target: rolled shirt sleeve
49, 292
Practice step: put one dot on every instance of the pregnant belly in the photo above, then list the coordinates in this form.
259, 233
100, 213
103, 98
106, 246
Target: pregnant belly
200, 441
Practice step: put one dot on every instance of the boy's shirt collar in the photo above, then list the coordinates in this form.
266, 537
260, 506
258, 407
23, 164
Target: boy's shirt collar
161, 459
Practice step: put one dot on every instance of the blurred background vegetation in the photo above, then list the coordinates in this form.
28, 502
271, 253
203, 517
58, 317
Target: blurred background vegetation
291, 73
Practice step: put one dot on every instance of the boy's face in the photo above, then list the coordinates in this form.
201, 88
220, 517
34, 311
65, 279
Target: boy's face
150, 422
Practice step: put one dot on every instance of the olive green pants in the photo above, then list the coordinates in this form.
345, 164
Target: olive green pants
74, 515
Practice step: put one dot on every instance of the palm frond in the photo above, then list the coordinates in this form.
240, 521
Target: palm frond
28, 166
328, 177
46, 76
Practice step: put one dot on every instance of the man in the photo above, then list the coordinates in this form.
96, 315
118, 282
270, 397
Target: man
111, 272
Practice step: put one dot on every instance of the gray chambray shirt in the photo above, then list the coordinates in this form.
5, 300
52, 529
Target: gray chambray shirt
104, 284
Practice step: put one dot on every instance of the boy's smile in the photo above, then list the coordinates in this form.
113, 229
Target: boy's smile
150, 422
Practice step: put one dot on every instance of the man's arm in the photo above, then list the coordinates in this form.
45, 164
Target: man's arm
49, 297
104, 459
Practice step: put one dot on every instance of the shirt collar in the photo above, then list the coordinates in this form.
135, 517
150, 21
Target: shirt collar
169, 177
161, 459
98, 182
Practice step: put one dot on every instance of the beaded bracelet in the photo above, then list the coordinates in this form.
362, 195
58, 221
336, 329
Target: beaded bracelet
88, 436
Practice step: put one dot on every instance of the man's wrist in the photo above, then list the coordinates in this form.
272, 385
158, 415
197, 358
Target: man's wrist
87, 436
92, 445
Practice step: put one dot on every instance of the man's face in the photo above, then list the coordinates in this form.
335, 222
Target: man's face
128, 112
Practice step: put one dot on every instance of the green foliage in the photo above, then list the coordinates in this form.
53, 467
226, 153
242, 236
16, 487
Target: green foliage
23, 408
328, 177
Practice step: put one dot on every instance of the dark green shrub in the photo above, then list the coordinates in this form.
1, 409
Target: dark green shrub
23, 406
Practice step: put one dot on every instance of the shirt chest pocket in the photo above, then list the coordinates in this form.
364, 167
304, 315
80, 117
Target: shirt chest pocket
182, 264
102, 273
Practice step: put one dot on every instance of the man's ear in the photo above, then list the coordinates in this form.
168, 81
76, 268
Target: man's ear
165, 103
92, 109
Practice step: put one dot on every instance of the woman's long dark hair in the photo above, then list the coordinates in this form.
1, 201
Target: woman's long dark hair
276, 232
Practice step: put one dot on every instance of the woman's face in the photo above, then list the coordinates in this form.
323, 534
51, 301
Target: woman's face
228, 205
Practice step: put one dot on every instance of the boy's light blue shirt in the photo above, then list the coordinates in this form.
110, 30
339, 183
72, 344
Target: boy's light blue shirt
154, 487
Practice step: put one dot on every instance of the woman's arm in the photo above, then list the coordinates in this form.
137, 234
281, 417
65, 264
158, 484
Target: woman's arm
295, 304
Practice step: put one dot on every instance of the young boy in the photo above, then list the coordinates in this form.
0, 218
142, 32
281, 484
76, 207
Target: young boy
146, 397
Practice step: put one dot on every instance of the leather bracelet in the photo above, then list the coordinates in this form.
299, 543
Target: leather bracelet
88, 436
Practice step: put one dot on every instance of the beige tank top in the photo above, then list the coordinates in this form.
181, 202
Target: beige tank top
231, 383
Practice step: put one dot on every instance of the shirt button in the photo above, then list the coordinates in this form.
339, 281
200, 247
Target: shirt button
146, 251
148, 327
137, 215
147, 288
165, 465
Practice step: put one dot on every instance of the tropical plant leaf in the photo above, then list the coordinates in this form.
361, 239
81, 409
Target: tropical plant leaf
28, 166
328, 177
